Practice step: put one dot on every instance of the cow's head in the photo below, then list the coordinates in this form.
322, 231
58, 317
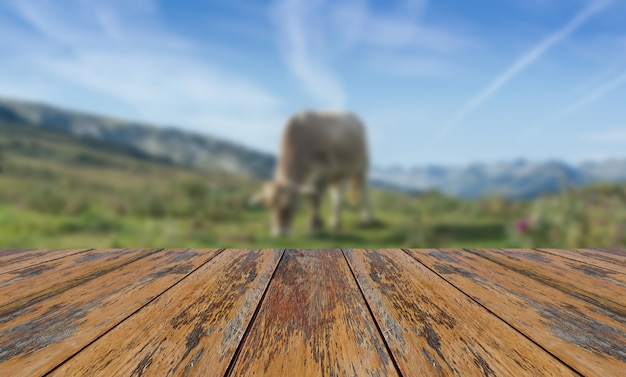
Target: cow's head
281, 199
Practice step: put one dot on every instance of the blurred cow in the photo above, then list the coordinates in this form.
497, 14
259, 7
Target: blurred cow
318, 150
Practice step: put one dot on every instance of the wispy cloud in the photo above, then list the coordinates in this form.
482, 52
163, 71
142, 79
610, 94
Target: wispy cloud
597, 79
522, 63
118, 52
410, 65
314, 34
607, 136
75, 22
594, 95
304, 48
598, 93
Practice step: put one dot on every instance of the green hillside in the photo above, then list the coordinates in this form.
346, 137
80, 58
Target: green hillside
184, 147
58, 190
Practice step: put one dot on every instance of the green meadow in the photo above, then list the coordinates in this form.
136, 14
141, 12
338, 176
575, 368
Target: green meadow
60, 191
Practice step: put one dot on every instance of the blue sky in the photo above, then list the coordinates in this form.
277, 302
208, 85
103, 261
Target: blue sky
436, 82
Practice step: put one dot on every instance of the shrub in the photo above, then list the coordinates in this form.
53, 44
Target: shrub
47, 200
587, 217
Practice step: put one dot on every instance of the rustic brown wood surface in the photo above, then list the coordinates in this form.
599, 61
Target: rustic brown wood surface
70, 319
589, 338
8, 255
314, 322
600, 258
601, 287
15, 260
192, 329
434, 329
415, 312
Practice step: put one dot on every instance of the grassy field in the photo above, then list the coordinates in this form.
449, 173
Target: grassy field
60, 191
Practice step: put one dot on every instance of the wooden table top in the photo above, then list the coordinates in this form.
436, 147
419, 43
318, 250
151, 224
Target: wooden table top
414, 312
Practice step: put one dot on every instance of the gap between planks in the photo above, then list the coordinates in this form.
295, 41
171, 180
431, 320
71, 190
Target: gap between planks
551, 274
369, 309
249, 324
234, 359
230, 281
220, 251
590, 338
436, 330
491, 312
309, 263
35, 260
599, 263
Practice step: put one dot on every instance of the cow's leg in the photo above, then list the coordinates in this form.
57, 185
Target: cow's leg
315, 222
366, 211
336, 191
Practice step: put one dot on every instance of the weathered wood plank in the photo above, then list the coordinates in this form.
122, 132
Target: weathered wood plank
434, 329
33, 257
313, 321
590, 339
619, 253
30, 285
192, 329
602, 287
9, 255
41, 336
11, 252
610, 261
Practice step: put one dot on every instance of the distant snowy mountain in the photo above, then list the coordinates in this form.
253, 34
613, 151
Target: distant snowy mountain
514, 179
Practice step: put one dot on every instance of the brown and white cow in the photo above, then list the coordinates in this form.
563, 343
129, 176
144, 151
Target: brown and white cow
318, 150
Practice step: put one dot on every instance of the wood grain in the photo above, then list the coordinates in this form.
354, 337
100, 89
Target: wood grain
590, 339
27, 286
43, 335
618, 253
111, 312
192, 329
18, 261
8, 255
602, 287
608, 260
434, 329
313, 322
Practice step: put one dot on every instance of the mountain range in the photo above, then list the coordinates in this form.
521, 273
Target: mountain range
518, 179
173, 144
512, 179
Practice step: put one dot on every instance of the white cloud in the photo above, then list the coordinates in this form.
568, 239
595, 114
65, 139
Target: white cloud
314, 34
157, 82
410, 65
599, 92
304, 47
399, 27
607, 136
74, 22
402, 32
348, 21
541, 6
597, 79
594, 95
523, 62
116, 52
